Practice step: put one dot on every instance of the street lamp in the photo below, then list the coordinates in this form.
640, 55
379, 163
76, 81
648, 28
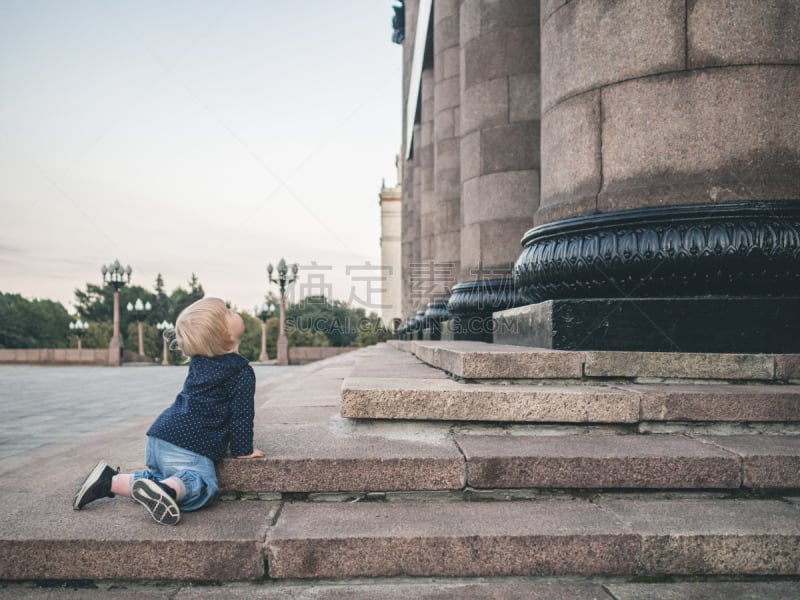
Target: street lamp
79, 329
283, 281
263, 312
163, 327
117, 277
139, 311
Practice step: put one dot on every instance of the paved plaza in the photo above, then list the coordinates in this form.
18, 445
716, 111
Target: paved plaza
46, 405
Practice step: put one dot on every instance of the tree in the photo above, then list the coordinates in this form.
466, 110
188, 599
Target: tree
371, 331
180, 298
32, 323
161, 309
315, 319
250, 344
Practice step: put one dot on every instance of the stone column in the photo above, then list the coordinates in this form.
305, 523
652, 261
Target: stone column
445, 220
408, 214
423, 153
499, 164
670, 170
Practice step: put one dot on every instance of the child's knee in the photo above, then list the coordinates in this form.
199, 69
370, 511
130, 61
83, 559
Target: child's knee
199, 489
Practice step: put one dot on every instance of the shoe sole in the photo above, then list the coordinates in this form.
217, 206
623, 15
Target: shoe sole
162, 508
88, 482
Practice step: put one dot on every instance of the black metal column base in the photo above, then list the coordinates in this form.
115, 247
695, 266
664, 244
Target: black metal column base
700, 324
473, 329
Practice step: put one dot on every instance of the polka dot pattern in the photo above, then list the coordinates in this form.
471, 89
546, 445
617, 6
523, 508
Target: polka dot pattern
214, 411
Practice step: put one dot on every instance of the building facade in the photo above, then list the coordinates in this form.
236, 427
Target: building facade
390, 199
598, 174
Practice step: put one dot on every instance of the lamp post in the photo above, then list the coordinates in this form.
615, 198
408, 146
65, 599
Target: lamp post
163, 327
283, 280
263, 313
138, 311
79, 329
117, 277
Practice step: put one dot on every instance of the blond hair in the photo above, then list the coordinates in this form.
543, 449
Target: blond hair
202, 329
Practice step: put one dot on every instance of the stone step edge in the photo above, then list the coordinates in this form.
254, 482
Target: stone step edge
657, 525
403, 588
418, 399
564, 462
482, 360
550, 538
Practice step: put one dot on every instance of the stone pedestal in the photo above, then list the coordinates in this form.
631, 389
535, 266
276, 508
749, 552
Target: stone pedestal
283, 351
115, 352
725, 325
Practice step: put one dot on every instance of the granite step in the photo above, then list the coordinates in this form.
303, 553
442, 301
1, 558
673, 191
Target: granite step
691, 390
605, 537
464, 461
423, 399
480, 360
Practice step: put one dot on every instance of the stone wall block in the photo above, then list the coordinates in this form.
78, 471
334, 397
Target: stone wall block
470, 151
571, 167
502, 243
507, 195
501, 53
743, 32
491, 247
447, 249
427, 180
426, 89
549, 7
470, 250
448, 95
425, 154
445, 9
702, 136
469, 20
512, 147
524, 97
450, 60
503, 14
590, 43
445, 34
448, 154
448, 186
444, 124
484, 105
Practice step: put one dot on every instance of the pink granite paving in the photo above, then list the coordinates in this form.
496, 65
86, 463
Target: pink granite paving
597, 461
443, 399
769, 461
310, 458
479, 360
713, 537
448, 539
733, 403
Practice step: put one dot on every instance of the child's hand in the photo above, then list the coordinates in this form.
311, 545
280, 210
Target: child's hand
255, 454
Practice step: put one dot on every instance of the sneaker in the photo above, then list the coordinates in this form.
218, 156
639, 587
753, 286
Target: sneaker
97, 485
157, 501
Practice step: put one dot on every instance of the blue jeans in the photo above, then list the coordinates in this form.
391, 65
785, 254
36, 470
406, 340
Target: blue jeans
195, 472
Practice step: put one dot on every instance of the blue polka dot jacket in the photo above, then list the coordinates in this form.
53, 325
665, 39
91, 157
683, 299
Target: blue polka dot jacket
214, 410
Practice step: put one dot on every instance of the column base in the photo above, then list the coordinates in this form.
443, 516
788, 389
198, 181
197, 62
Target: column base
701, 324
473, 329
115, 351
283, 351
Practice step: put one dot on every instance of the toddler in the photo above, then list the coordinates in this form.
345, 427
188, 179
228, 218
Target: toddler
212, 414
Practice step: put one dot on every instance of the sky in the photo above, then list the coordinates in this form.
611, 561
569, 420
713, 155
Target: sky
203, 137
